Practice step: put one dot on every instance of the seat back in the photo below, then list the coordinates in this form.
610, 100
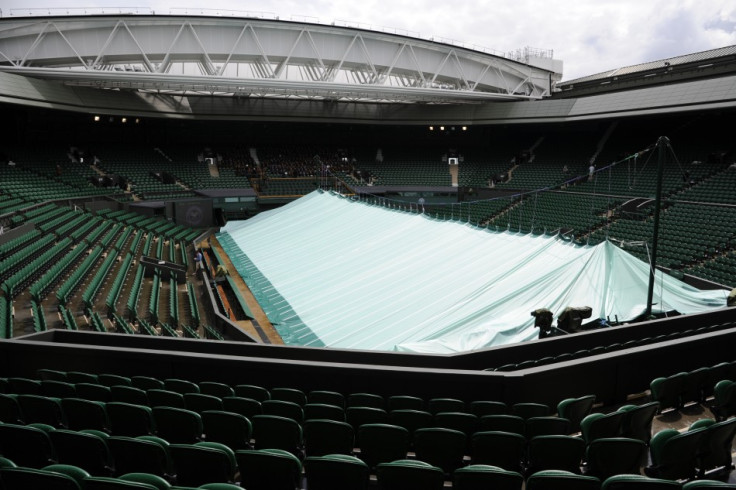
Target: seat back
323, 411
497, 448
409, 475
127, 419
638, 482
383, 443
274, 432
178, 425
504, 423
26, 446
139, 455
546, 426
327, 398
561, 480
575, 410
85, 414
366, 400
196, 465
181, 386
199, 402
482, 477
614, 456
440, 447
674, 455
598, 425
268, 468
336, 472
41, 409
637, 421
322, 437
283, 408
87, 451
229, 428
555, 453
28, 478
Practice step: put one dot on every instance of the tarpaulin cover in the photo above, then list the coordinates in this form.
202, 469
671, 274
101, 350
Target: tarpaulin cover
333, 271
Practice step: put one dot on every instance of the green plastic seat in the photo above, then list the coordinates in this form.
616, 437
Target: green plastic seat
254, 392
405, 402
638, 482
229, 428
31, 478
26, 446
599, 425
715, 449
154, 480
440, 447
84, 450
203, 462
323, 437
283, 408
561, 480
575, 410
289, 395
366, 400
497, 448
674, 455
144, 454
243, 406
181, 386
85, 414
616, 455
555, 453
178, 425
547, 426
637, 421
327, 398
437, 405
482, 477
199, 402
10, 412
503, 423
127, 419
409, 475
128, 394
213, 388
324, 411
274, 432
336, 472
703, 484
668, 390
274, 469
165, 398
383, 443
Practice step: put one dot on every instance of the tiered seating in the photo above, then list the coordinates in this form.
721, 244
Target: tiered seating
66, 289
180, 420
193, 308
6, 318
554, 211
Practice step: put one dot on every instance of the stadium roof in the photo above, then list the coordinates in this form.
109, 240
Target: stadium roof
332, 271
667, 62
263, 58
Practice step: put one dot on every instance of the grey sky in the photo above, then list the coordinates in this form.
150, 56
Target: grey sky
590, 36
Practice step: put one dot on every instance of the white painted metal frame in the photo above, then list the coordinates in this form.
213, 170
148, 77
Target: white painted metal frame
259, 58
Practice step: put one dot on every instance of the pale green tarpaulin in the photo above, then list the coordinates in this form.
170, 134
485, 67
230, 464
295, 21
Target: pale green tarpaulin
337, 272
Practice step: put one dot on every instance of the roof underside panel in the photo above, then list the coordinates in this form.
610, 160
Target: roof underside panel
348, 274
250, 57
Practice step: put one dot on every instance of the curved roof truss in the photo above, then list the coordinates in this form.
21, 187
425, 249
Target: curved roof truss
261, 58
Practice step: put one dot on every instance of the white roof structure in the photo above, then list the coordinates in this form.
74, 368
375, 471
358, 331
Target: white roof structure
332, 271
264, 58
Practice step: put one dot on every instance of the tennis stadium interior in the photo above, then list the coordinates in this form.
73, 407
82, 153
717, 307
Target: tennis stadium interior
255, 281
